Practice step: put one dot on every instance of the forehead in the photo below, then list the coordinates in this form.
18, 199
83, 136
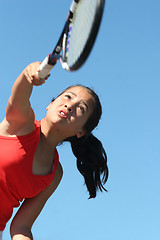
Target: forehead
81, 93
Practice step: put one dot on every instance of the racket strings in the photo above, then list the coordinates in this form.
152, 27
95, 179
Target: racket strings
79, 30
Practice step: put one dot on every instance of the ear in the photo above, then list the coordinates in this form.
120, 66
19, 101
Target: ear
48, 106
81, 133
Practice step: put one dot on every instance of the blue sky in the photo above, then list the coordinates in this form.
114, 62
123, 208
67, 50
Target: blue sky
124, 69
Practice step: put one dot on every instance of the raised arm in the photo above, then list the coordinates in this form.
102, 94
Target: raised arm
21, 91
19, 112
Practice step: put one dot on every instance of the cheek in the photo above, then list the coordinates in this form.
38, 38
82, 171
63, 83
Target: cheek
77, 122
82, 121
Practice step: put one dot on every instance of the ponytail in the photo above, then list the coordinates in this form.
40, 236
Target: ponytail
91, 162
90, 154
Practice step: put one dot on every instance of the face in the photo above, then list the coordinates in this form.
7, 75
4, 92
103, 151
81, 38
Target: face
70, 111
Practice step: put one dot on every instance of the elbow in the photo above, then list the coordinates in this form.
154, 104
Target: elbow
10, 111
19, 231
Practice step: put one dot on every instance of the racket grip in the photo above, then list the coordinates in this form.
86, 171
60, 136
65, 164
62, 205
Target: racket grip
45, 68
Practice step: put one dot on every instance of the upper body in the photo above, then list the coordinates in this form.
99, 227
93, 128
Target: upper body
65, 118
17, 179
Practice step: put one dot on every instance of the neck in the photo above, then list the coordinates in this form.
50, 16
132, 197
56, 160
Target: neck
49, 136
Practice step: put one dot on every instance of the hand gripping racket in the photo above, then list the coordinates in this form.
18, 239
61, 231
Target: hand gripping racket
77, 38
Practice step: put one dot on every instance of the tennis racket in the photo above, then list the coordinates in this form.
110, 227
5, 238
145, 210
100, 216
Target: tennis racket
77, 38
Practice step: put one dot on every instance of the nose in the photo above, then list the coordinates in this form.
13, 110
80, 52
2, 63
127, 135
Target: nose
68, 107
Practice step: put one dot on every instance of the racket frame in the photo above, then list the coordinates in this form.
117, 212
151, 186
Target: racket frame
49, 62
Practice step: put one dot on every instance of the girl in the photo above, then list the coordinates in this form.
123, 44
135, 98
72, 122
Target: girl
29, 166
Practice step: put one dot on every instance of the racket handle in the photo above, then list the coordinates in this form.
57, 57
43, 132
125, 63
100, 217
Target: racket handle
45, 68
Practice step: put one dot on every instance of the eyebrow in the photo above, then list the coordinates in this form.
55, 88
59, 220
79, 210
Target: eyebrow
84, 102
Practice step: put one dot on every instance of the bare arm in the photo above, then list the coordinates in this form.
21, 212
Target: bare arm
19, 112
31, 208
22, 89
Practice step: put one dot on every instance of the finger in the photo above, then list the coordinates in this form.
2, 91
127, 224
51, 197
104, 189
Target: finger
37, 82
47, 76
40, 82
43, 81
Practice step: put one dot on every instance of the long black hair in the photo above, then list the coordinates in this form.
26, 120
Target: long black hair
89, 151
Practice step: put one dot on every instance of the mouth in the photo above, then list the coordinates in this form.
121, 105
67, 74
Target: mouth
62, 114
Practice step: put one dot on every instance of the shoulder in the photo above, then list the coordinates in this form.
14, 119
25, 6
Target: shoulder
56, 180
19, 126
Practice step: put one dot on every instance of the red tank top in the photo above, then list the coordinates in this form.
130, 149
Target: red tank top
17, 181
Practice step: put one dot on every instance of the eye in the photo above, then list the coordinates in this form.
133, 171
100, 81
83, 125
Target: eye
82, 109
68, 96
